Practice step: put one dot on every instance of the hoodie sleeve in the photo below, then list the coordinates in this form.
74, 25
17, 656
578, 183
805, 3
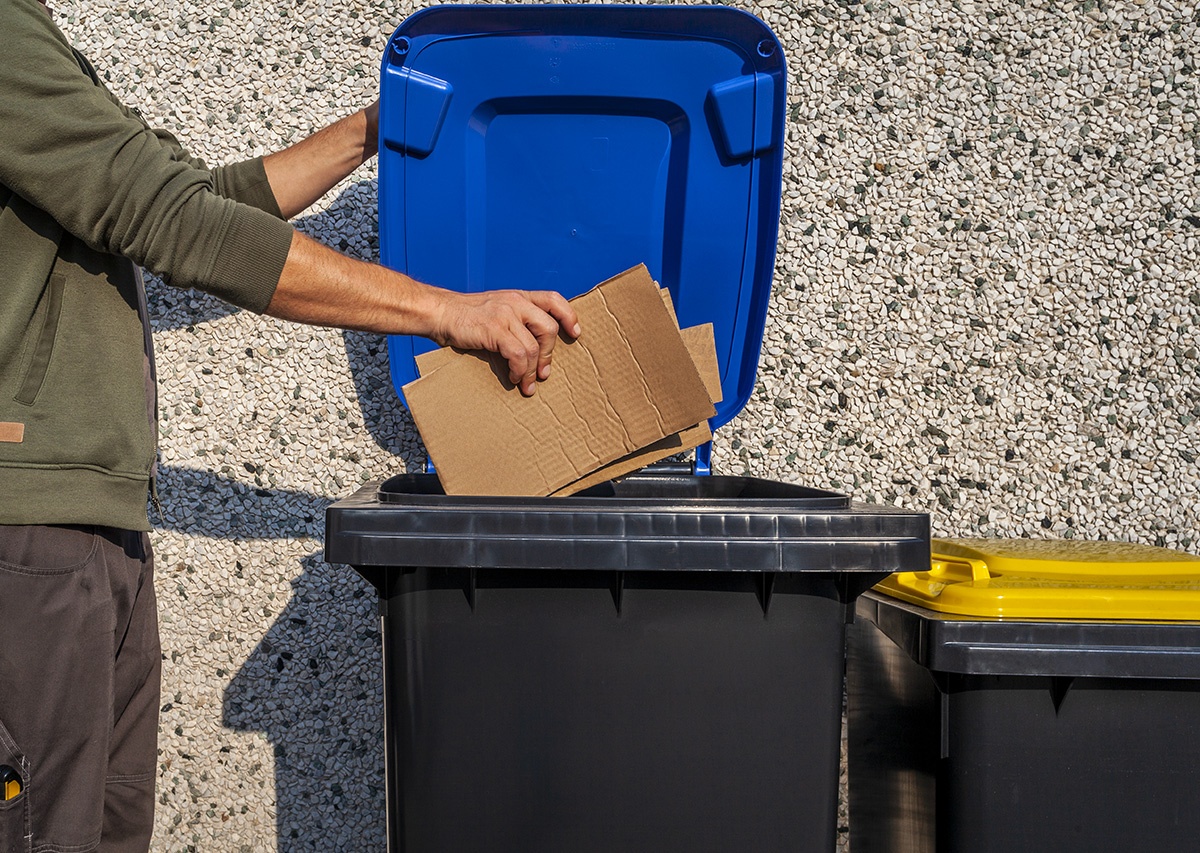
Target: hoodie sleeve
119, 186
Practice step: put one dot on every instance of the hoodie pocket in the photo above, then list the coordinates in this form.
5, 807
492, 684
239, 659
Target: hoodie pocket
45, 320
14, 797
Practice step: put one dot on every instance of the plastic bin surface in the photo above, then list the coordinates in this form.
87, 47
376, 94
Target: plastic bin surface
642, 666
552, 147
1053, 579
652, 523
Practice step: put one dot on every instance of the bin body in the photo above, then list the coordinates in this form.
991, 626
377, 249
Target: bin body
1018, 734
544, 719
648, 669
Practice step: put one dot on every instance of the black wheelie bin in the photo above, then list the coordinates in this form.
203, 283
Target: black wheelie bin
655, 664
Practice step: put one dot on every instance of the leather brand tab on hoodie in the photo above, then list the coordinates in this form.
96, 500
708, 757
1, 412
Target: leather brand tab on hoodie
11, 432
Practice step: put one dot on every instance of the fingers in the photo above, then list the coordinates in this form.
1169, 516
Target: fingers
521, 327
554, 314
539, 317
559, 308
522, 350
544, 329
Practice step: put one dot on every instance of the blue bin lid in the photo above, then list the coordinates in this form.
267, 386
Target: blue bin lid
552, 147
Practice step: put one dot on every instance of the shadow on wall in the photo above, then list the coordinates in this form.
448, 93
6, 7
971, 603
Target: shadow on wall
313, 684
351, 226
203, 504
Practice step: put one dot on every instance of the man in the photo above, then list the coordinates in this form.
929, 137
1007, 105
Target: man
87, 191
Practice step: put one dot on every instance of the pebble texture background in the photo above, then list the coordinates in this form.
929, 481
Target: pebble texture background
986, 306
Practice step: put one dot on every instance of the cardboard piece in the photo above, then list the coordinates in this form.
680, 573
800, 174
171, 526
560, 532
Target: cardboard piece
701, 346
627, 383
703, 349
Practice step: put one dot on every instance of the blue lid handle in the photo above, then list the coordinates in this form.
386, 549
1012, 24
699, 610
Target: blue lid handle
412, 126
744, 109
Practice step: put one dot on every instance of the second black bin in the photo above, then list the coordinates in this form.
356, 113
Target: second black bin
654, 665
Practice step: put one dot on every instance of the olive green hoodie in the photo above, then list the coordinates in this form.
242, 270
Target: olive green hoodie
87, 191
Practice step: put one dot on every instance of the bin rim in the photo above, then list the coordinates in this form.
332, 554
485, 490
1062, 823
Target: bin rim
595, 498
974, 645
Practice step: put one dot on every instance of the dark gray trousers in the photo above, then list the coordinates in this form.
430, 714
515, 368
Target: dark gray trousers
80, 664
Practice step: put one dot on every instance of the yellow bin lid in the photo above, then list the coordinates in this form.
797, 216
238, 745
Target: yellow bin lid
1053, 579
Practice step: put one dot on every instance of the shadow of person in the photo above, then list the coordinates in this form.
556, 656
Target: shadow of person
350, 224
385, 418
313, 683
201, 503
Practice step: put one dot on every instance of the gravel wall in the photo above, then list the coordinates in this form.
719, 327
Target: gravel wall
986, 306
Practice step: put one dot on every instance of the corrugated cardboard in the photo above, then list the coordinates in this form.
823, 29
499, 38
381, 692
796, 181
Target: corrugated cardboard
703, 349
701, 346
625, 384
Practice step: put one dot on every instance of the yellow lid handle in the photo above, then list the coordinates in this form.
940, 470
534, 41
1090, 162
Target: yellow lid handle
944, 571
953, 569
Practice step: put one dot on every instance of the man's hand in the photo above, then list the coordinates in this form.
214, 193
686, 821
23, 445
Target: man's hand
522, 326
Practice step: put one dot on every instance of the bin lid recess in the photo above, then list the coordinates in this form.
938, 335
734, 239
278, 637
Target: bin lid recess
1053, 579
552, 147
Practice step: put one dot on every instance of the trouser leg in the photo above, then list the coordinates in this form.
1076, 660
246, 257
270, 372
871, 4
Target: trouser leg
79, 669
133, 749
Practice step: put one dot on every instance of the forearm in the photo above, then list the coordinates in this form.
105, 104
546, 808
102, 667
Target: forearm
301, 174
324, 288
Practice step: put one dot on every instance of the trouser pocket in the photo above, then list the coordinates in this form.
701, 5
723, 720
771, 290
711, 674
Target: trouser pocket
14, 797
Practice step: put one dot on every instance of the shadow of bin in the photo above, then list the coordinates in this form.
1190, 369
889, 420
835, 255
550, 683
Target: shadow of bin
654, 665
1028, 695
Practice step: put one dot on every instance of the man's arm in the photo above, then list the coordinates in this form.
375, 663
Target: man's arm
301, 174
111, 182
322, 287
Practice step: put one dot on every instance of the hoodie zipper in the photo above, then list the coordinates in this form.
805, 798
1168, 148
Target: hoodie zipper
151, 374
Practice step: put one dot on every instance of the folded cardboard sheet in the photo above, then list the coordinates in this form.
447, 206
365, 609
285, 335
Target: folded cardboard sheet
626, 393
703, 349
